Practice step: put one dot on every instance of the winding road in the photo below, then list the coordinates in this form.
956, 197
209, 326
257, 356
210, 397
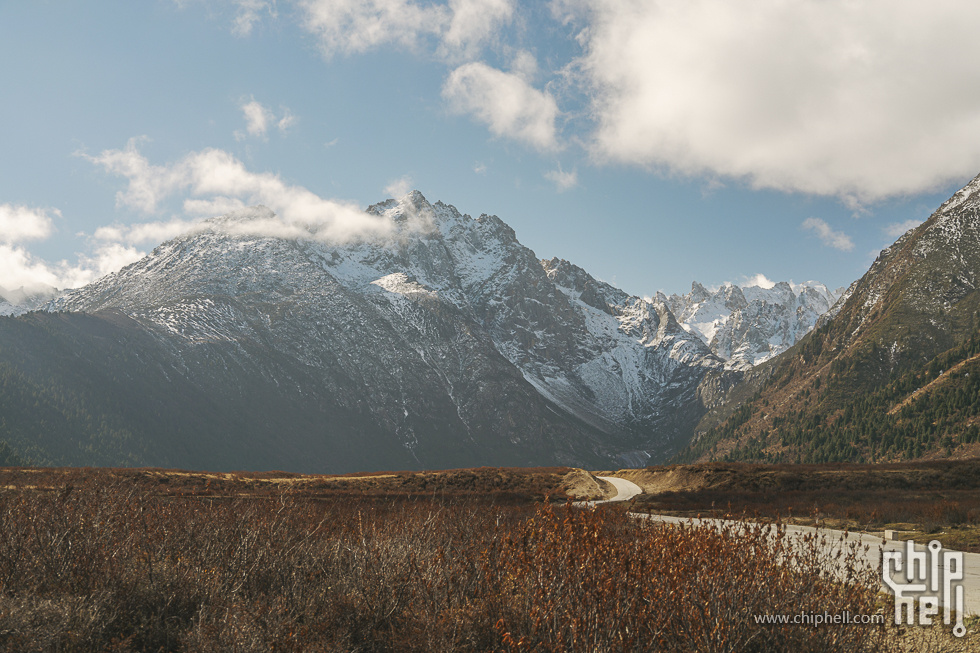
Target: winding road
870, 546
625, 490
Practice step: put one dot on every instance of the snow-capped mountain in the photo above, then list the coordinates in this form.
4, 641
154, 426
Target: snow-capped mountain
446, 342
748, 325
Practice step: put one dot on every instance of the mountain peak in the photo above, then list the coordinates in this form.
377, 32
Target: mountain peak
243, 215
16, 301
416, 198
410, 205
969, 195
698, 292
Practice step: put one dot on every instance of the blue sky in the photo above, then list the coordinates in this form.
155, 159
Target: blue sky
652, 143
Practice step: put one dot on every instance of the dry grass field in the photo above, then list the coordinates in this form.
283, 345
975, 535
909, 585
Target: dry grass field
515, 485
464, 560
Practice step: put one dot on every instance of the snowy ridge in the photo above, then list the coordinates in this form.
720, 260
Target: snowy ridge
940, 253
952, 223
748, 325
966, 197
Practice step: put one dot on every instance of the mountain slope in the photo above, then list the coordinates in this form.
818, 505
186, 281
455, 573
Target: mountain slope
907, 319
446, 343
129, 395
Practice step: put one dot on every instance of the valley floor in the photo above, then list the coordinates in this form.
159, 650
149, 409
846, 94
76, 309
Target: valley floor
463, 560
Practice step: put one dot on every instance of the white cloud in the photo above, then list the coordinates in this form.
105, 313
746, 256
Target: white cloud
353, 26
896, 229
506, 103
861, 100
152, 233
21, 269
212, 207
562, 180
760, 280
453, 31
259, 118
109, 257
399, 187
567, 11
20, 223
525, 65
213, 179
829, 237
248, 15
148, 184
286, 121
475, 21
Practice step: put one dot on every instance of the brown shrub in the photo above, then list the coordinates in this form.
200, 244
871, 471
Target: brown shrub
107, 564
575, 580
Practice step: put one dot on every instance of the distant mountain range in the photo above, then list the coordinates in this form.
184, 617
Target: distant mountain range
447, 343
749, 325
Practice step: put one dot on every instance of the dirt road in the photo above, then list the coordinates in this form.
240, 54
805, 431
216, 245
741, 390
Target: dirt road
625, 490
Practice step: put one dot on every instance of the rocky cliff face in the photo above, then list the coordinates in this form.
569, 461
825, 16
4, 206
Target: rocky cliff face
444, 343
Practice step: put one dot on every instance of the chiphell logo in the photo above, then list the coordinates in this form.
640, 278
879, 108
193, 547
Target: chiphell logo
931, 578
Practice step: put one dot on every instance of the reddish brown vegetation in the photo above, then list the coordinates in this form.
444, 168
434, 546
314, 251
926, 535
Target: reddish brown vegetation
121, 561
574, 580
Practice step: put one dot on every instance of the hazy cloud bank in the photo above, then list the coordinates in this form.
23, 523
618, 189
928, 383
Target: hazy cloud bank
212, 182
21, 269
858, 100
203, 184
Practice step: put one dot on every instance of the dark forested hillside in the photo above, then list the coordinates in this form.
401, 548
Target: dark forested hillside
930, 410
101, 389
